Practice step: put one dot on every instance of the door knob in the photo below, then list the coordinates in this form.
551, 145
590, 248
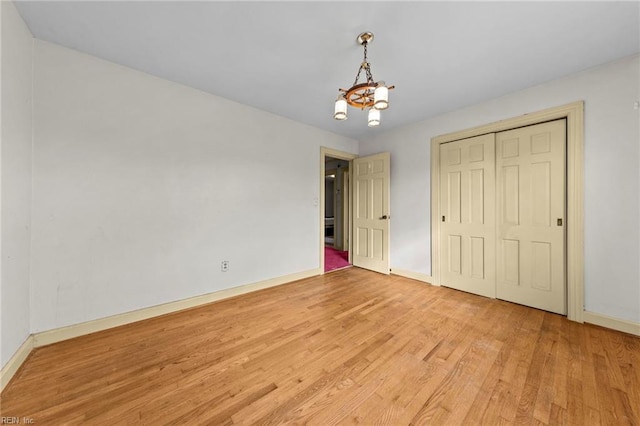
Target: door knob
385, 217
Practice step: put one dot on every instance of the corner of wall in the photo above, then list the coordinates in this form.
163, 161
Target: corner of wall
13, 365
17, 58
1, 257
33, 101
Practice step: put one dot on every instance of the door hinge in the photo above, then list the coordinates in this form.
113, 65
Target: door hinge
443, 218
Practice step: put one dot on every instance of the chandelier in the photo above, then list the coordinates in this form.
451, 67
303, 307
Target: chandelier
370, 94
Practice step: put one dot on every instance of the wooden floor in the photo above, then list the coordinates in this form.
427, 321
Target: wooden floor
347, 347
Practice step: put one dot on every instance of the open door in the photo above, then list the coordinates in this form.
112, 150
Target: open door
371, 212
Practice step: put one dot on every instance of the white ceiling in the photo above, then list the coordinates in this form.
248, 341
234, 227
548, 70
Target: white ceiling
290, 58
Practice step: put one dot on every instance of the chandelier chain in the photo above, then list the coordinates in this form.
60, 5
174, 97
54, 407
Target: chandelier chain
366, 66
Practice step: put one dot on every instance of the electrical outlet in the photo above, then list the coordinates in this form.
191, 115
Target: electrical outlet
225, 266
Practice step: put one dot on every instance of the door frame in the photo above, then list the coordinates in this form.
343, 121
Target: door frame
346, 200
340, 155
327, 173
574, 257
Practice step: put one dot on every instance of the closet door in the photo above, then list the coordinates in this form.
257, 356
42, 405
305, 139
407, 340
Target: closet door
530, 175
467, 233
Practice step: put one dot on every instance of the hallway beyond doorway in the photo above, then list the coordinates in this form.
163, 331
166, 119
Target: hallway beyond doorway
335, 259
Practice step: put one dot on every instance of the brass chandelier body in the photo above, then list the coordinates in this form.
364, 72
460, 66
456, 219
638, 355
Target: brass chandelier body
370, 95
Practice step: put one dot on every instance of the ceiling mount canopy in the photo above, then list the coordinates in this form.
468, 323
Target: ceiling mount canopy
370, 95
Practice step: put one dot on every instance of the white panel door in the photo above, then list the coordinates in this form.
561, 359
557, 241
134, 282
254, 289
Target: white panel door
467, 191
530, 175
371, 212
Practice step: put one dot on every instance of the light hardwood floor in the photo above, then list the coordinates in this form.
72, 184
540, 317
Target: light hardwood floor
348, 347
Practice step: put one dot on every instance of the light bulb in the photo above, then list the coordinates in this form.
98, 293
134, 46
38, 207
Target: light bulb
340, 110
381, 96
374, 117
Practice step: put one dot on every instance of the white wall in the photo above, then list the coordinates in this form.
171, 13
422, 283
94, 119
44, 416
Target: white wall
16, 99
142, 187
612, 180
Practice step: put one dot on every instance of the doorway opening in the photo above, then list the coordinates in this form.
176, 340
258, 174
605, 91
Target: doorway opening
336, 214
329, 233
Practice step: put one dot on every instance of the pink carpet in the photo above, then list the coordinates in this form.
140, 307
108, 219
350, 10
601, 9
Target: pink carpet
335, 259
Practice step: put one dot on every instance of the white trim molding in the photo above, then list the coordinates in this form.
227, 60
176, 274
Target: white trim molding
612, 323
418, 276
65, 333
11, 367
574, 114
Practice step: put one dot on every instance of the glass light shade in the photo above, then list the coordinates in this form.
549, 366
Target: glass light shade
381, 96
340, 110
374, 117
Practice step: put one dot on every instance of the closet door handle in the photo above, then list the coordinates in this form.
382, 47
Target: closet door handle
385, 217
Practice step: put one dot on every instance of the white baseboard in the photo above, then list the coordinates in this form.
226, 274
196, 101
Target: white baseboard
64, 333
413, 275
11, 367
589, 317
613, 323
